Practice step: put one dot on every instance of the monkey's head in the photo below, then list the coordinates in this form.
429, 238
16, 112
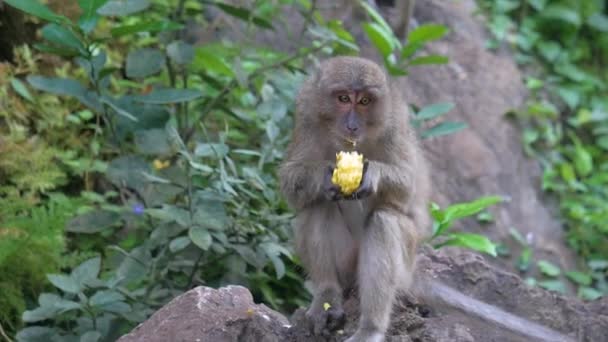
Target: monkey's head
353, 99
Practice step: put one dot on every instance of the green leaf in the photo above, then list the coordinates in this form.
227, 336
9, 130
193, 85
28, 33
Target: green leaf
465, 209
572, 97
380, 38
87, 271
179, 244
537, 4
475, 242
378, 19
126, 171
431, 59
426, 33
549, 50
64, 305
163, 96
116, 307
243, 14
64, 283
120, 8
35, 8
598, 264
548, 268
409, 50
278, 264
563, 13
434, 110
105, 297
145, 26
37, 334
485, 217
89, 8
144, 62
120, 111
59, 86
38, 314
61, 36
523, 262
567, 172
216, 150
93, 221
200, 237
553, 285
589, 293
21, 89
598, 21
207, 60
579, 278
583, 162
152, 142
444, 128
180, 52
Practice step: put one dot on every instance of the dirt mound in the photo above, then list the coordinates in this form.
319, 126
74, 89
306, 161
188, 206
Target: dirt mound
229, 313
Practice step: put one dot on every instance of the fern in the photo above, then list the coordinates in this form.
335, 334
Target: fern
31, 245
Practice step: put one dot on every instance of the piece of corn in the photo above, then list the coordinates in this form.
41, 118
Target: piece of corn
348, 172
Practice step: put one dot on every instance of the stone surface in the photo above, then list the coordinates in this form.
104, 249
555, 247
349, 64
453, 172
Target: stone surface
229, 314
205, 314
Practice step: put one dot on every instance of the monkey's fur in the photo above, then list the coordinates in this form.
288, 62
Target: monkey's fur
367, 240
371, 238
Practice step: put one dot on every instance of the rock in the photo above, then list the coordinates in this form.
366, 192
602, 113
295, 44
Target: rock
205, 314
229, 313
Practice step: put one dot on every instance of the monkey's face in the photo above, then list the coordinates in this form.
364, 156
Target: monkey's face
353, 94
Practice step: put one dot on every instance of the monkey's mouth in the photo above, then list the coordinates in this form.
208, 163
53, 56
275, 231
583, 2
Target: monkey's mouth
352, 141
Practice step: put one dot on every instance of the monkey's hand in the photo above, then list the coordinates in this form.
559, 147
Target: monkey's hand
330, 190
365, 188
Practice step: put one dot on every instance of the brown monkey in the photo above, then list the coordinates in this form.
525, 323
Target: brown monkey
369, 238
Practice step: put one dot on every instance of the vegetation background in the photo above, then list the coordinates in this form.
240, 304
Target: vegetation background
137, 159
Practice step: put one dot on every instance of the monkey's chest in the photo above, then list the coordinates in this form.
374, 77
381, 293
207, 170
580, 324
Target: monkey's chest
354, 214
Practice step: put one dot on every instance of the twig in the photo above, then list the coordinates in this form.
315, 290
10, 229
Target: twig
3, 334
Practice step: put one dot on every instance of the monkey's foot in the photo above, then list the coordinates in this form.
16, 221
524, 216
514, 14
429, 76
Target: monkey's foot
366, 336
323, 322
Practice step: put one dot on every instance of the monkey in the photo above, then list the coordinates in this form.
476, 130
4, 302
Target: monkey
368, 240
370, 237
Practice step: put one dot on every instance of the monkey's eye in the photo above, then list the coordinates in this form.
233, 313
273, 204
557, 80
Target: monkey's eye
344, 98
365, 101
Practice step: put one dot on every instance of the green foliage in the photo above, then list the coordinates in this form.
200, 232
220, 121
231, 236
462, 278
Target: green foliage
444, 218
178, 162
31, 243
565, 45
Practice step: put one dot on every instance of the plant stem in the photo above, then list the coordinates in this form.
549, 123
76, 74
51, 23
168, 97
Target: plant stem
4, 335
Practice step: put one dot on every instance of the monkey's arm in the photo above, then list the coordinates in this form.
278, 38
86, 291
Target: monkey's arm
302, 182
388, 178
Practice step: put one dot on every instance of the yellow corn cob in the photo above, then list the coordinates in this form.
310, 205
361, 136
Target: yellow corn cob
348, 172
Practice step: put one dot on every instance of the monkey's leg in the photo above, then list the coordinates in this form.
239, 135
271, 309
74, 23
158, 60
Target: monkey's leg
325, 248
382, 269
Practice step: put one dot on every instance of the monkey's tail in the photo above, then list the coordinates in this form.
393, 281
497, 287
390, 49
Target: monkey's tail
432, 290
